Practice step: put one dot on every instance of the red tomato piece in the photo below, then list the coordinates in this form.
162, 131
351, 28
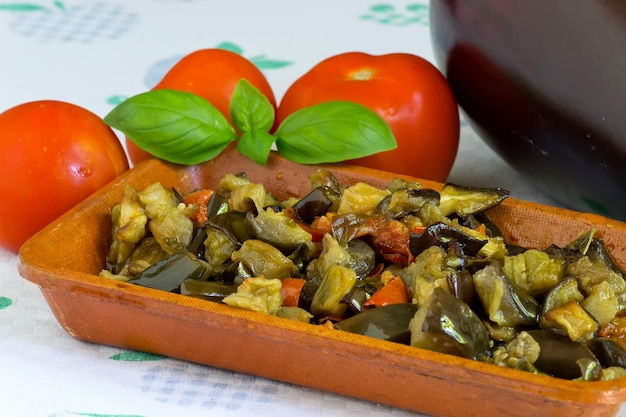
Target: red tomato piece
290, 291
393, 292
201, 198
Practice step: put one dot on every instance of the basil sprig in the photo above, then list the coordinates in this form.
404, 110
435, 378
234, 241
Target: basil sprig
184, 128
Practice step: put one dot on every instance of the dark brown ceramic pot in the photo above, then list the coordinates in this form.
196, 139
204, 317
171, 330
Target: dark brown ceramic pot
544, 84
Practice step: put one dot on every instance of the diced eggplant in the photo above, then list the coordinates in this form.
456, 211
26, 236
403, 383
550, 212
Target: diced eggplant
316, 203
147, 253
328, 300
461, 285
534, 271
403, 202
559, 356
608, 351
504, 303
445, 236
234, 225
263, 259
448, 325
389, 322
572, 320
469, 200
280, 231
207, 290
168, 273
565, 291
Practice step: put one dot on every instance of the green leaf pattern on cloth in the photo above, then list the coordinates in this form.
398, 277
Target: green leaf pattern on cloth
135, 356
5, 302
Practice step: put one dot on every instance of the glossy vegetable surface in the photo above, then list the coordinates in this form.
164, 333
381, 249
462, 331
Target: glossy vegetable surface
543, 92
405, 90
52, 155
212, 74
398, 263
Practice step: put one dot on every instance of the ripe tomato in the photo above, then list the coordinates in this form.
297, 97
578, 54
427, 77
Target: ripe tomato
212, 74
407, 91
52, 155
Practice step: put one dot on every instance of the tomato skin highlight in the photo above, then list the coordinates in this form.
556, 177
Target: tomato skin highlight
290, 291
393, 292
212, 74
407, 91
52, 155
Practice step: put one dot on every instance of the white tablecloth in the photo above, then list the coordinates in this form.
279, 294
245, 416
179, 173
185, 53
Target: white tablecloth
95, 53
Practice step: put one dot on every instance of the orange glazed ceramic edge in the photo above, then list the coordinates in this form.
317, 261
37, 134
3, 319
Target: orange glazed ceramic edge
65, 258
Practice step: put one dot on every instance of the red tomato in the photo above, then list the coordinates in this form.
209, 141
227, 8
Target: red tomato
290, 291
213, 75
407, 91
52, 155
393, 292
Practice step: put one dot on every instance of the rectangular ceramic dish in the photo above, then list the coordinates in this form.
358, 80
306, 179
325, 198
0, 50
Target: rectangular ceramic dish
65, 258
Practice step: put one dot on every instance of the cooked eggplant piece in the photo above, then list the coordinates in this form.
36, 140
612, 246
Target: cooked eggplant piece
294, 313
362, 257
168, 273
572, 320
207, 290
346, 227
336, 282
389, 322
534, 271
257, 294
218, 247
429, 271
469, 200
280, 231
559, 356
609, 352
448, 325
521, 352
361, 198
169, 220
565, 291
445, 236
129, 227
461, 285
229, 182
325, 178
601, 303
403, 202
591, 272
233, 224
317, 203
500, 333
263, 259
218, 204
147, 253
504, 303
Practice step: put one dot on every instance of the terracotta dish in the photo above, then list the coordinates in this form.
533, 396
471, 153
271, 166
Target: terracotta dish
65, 258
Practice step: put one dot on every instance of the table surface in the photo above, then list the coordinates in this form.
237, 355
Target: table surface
95, 53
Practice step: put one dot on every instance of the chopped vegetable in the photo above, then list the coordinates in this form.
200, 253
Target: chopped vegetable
404, 263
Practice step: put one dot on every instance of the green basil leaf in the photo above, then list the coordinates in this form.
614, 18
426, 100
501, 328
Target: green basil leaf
334, 131
250, 109
173, 125
256, 145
